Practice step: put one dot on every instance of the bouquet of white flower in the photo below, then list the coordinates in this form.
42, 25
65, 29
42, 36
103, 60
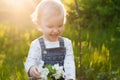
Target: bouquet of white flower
49, 71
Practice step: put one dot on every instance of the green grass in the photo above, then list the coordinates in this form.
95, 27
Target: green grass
100, 51
14, 41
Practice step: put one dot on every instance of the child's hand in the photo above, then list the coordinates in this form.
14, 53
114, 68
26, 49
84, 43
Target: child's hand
33, 72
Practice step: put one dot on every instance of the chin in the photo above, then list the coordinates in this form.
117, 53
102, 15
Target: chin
53, 39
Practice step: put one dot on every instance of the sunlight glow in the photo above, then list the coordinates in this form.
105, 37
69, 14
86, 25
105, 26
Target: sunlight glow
17, 8
15, 4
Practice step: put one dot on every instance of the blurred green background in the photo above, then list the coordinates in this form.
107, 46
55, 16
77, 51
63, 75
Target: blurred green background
99, 33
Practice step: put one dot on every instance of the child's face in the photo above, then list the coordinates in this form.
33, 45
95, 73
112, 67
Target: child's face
52, 27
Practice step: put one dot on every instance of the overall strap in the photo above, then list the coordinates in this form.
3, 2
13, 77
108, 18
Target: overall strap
61, 42
42, 44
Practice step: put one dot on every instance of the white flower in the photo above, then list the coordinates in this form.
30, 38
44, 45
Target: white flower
59, 71
45, 71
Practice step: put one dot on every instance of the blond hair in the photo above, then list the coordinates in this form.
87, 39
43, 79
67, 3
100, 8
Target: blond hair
51, 7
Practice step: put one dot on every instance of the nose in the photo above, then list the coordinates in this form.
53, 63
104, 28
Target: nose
55, 30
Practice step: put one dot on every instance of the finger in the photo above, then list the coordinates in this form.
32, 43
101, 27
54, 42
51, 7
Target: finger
36, 76
36, 73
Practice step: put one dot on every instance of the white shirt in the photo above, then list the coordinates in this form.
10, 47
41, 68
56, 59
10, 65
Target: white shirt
34, 56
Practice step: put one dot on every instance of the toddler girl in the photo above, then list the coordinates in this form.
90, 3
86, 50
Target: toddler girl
51, 48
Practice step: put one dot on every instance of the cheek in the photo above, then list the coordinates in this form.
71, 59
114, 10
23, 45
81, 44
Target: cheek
45, 30
62, 29
48, 31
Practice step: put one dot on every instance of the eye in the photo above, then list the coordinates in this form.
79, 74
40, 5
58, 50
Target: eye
60, 26
49, 26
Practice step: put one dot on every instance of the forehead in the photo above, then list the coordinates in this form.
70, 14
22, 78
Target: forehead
53, 20
52, 10
52, 14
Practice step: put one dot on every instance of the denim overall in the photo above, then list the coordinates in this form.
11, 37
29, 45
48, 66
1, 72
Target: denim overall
53, 55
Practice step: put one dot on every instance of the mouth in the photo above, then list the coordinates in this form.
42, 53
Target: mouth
54, 36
